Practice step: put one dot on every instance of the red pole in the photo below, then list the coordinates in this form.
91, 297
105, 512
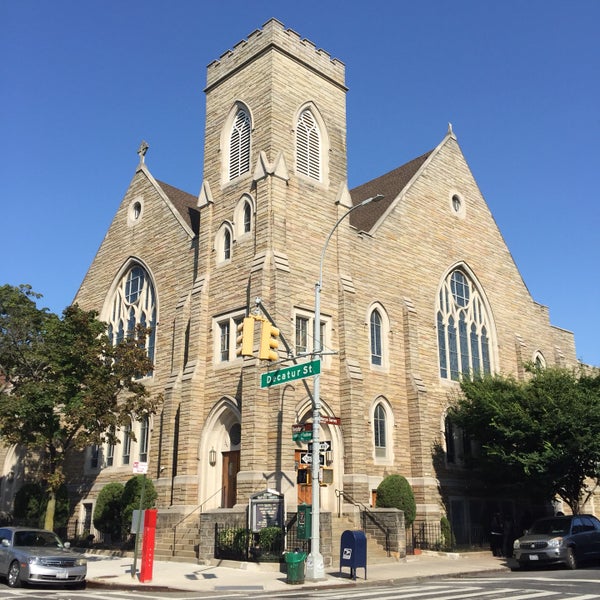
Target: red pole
148, 544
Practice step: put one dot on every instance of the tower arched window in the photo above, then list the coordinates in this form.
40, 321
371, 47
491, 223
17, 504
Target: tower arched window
133, 304
376, 340
383, 428
226, 244
463, 328
239, 144
308, 146
247, 226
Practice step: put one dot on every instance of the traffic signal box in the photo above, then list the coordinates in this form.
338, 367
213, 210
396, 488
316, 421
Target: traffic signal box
269, 342
245, 338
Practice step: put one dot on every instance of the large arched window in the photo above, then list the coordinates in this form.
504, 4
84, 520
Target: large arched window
308, 146
133, 304
239, 144
463, 328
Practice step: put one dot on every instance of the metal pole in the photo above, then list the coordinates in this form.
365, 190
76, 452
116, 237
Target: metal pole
315, 569
138, 527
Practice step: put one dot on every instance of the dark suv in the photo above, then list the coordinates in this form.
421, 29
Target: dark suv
567, 539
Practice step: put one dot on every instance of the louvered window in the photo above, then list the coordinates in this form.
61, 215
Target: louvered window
308, 146
239, 145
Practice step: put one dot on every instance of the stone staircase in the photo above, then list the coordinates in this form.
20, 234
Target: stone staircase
177, 540
376, 553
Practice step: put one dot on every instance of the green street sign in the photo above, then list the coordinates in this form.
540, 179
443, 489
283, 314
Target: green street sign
302, 436
280, 376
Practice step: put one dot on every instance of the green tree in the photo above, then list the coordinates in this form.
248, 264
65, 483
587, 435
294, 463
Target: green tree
539, 434
130, 500
64, 385
395, 492
108, 510
30, 505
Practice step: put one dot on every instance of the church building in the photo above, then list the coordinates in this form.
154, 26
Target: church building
418, 287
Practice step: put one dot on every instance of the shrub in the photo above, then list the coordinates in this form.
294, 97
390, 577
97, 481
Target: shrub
130, 500
448, 539
107, 512
395, 492
270, 539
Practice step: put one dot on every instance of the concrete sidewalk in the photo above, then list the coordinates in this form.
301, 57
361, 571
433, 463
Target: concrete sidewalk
116, 571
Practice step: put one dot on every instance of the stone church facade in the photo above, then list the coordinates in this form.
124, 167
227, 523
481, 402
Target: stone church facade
418, 288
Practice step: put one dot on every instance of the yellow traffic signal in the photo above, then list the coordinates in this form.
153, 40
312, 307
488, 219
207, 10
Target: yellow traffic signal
268, 342
245, 338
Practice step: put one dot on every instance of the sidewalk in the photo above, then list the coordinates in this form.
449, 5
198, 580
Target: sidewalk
228, 576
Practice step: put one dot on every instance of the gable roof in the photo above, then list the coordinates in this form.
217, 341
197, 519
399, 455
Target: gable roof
390, 185
184, 203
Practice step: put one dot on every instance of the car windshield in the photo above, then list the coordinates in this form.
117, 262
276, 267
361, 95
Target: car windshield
551, 527
37, 538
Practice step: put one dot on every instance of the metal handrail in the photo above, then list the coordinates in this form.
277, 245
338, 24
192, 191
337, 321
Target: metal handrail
188, 515
364, 511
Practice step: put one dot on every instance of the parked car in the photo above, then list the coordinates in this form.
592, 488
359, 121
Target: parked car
566, 539
38, 556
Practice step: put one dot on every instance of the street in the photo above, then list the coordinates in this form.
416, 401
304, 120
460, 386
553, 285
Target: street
554, 584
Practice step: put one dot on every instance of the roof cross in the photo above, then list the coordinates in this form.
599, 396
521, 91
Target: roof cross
142, 151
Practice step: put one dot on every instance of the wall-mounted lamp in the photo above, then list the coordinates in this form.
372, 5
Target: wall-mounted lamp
212, 457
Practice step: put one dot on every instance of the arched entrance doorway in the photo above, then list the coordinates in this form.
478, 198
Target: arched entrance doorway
220, 456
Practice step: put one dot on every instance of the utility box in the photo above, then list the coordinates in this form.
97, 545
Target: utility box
353, 551
304, 521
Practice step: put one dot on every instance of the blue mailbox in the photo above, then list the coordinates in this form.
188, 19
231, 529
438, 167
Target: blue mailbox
353, 551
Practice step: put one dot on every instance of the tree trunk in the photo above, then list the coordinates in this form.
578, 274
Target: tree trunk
50, 510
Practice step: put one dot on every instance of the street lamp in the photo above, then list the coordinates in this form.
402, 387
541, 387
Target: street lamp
314, 563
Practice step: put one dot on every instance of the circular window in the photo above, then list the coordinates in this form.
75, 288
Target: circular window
134, 212
456, 203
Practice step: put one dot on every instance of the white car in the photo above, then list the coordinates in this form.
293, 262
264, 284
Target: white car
38, 556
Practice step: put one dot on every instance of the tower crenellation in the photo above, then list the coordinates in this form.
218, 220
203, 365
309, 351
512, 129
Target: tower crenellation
274, 35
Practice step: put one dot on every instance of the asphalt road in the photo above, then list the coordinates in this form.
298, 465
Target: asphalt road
551, 584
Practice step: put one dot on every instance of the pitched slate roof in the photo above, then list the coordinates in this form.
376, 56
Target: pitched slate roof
390, 185
185, 204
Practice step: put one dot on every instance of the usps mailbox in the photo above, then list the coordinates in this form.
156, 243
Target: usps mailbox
353, 551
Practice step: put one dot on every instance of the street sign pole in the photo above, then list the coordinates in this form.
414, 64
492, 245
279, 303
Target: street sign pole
315, 569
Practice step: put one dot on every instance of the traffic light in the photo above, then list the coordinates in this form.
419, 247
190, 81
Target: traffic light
245, 338
268, 342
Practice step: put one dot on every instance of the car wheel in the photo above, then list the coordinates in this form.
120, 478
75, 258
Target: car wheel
14, 575
571, 560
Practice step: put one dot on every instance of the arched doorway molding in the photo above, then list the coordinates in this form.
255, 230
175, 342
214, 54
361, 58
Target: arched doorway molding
215, 443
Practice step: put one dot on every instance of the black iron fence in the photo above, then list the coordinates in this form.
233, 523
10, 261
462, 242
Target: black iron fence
432, 536
238, 542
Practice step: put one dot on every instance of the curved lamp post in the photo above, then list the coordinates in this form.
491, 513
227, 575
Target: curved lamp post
314, 563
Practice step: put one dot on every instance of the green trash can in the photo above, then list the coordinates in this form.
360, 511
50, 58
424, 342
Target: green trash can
295, 562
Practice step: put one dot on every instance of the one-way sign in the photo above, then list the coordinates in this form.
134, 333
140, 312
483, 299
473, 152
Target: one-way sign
324, 446
306, 459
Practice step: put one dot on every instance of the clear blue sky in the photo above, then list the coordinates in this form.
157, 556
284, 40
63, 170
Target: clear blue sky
82, 83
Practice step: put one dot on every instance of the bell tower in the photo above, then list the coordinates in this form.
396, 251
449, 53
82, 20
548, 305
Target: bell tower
275, 141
